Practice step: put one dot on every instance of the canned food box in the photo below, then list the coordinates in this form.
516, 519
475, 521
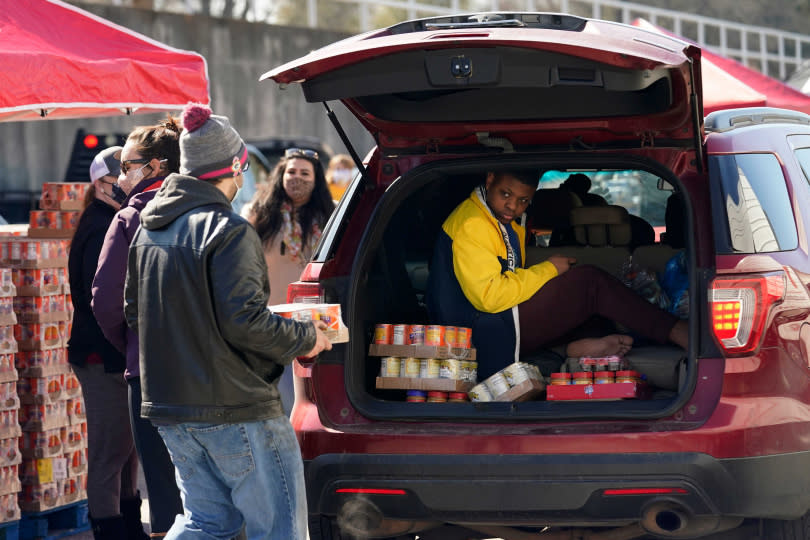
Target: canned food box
336, 330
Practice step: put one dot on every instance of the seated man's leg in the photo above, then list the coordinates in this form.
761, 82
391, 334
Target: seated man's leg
569, 300
208, 509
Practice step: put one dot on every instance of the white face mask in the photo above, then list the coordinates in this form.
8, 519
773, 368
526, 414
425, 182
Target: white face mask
238, 187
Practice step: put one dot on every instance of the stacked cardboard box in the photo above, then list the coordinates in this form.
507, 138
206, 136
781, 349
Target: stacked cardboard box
10, 457
60, 206
49, 409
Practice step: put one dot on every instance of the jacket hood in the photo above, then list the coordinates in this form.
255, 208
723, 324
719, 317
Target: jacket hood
178, 195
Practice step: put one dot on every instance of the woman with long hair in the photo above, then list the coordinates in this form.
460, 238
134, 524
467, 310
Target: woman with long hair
289, 213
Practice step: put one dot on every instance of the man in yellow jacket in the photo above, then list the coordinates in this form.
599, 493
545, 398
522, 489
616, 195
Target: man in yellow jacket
478, 280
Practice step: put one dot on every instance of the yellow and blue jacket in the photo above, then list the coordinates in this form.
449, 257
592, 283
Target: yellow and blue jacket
475, 282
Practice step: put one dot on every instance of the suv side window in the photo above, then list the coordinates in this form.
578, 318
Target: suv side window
750, 191
803, 157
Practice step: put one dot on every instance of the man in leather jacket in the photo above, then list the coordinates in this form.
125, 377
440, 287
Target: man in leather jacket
210, 351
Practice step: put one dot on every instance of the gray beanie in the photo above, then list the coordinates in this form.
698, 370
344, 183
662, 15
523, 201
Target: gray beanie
209, 147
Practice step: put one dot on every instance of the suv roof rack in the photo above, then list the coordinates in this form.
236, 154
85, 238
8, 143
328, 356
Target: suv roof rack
727, 120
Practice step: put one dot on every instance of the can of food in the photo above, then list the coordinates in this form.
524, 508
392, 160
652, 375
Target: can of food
583, 377
437, 397
497, 384
416, 396
383, 334
560, 379
68, 219
450, 336
604, 377
450, 369
480, 392
416, 334
390, 366
516, 373
457, 397
466, 369
430, 368
463, 337
399, 333
411, 367
434, 335
473, 371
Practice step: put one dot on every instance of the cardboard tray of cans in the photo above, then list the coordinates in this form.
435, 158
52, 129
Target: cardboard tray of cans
421, 351
416, 383
605, 391
523, 391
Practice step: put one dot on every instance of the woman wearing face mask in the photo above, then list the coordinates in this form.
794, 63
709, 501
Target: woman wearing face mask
338, 175
149, 155
289, 213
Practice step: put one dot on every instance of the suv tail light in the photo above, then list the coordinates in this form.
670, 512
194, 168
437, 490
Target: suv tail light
739, 308
307, 290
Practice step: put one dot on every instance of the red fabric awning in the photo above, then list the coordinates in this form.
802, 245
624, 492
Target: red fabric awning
59, 61
728, 84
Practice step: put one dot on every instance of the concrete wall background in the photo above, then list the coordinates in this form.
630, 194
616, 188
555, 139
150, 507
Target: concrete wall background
237, 53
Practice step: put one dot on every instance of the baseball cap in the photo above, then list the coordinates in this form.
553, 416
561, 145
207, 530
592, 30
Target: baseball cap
106, 162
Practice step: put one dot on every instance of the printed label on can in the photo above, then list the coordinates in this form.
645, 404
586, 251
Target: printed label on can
434, 335
463, 337
383, 334
411, 367
450, 369
416, 334
400, 333
516, 373
450, 336
390, 366
497, 384
480, 392
429, 368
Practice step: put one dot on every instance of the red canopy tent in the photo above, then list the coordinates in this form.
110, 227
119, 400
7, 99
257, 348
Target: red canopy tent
59, 61
728, 84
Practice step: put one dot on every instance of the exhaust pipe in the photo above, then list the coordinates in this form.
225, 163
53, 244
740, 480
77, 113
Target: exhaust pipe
666, 519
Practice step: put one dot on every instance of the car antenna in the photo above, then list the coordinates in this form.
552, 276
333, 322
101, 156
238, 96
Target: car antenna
343, 137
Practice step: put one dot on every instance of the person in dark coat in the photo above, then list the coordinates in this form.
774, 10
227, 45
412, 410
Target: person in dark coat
112, 462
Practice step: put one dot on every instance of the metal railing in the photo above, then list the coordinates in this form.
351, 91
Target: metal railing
773, 52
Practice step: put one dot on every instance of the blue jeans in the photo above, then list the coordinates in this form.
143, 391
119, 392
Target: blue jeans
230, 474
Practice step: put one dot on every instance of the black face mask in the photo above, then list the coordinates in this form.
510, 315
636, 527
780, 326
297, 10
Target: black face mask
118, 194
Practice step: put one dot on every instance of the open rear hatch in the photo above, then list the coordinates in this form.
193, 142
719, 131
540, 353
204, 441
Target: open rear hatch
534, 83
539, 78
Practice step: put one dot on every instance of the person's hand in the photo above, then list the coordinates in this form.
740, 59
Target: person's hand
321, 341
562, 263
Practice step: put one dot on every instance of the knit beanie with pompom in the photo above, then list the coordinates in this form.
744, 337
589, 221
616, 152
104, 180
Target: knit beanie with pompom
209, 147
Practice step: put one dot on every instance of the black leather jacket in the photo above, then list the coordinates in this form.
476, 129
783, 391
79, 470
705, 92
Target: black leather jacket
196, 293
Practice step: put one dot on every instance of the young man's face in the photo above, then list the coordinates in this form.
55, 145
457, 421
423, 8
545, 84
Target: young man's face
507, 196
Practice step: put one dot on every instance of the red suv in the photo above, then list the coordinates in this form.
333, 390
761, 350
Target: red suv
721, 447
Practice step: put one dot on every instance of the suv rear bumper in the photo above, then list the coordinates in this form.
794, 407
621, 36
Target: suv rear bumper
560, 489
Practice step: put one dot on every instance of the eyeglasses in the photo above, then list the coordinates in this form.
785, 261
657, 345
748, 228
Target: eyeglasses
106, 182
125, 164
305, 152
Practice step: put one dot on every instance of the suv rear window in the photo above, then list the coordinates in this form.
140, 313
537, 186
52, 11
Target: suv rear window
751, 192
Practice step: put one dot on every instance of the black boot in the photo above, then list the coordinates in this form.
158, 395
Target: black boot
131, 510
109, 528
